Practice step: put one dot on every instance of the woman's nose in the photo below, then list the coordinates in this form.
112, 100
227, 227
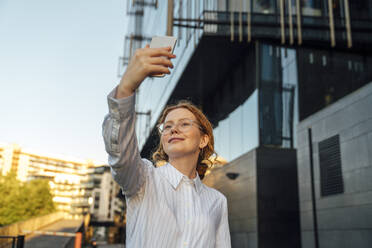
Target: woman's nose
174, 129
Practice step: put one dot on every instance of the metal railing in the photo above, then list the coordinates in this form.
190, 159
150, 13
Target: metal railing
288, 17
12, 241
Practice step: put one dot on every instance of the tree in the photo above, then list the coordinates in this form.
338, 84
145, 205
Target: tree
21, 201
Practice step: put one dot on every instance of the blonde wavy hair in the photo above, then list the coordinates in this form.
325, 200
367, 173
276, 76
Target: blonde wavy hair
205, 154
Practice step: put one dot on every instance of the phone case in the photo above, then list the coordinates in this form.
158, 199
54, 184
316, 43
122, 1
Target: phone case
163, 41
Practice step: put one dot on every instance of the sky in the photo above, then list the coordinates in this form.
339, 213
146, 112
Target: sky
58, 62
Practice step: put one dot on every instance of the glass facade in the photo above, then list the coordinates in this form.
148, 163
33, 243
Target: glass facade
268, 116
360, 10
270, 101
312, 7
238, 133
327, 76
278, 83
264, 6
290, 81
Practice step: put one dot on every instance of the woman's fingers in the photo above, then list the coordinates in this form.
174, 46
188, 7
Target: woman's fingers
160, 61
158, 69
157, 52
145, 62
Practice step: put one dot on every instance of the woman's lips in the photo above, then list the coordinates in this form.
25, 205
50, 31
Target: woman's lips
175, 139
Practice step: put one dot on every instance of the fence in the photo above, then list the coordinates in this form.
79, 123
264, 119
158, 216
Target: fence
10, 234
12, 241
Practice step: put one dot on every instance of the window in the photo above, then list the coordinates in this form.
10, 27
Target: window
361, 10
264, 6
277, 90
333, 76
311, 7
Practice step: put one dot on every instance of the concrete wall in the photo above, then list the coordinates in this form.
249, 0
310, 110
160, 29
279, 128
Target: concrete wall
241, 195
30, 225
344, 220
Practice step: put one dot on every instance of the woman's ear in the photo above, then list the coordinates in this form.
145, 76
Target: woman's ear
204, 141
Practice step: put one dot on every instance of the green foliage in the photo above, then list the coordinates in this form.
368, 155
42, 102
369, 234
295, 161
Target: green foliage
21, 201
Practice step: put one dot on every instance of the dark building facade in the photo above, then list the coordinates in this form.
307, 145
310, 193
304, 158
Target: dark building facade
287, 87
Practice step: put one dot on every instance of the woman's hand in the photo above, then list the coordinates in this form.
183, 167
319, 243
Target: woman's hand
145, 62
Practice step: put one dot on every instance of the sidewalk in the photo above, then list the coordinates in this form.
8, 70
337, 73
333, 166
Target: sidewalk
48, 241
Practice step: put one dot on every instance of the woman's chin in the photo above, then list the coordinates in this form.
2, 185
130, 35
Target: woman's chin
177, 153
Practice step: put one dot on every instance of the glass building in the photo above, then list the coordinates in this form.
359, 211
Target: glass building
263, 71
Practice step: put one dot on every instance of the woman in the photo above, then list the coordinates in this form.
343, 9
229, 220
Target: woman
167, 206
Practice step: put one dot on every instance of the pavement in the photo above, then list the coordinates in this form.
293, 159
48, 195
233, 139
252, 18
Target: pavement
48, 241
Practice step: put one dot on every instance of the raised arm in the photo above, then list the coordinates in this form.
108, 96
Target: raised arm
145, 62
120, 139
118, 129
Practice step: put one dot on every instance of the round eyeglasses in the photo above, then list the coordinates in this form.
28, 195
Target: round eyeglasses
182, 125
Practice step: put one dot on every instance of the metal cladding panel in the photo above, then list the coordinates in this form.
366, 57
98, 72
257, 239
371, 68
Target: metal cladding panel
241, 194
262, 199
277, 201
344, 220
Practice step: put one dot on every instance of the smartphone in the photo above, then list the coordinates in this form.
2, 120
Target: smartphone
163, 41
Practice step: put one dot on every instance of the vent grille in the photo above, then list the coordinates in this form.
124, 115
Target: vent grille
330, 166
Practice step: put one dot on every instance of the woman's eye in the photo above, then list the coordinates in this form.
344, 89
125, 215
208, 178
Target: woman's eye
185, 124
167, 127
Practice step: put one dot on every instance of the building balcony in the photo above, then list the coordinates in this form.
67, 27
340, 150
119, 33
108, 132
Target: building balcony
88, 185
291, 30
80, 203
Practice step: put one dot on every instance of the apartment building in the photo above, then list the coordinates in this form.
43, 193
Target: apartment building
287, 87
106, 198
68, 177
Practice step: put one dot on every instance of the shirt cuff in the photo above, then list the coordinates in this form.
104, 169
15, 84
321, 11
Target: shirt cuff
120, 108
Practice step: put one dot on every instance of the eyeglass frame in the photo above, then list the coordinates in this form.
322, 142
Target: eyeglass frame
176, 125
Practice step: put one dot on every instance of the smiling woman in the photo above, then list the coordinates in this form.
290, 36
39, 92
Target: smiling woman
167, 206
191, 122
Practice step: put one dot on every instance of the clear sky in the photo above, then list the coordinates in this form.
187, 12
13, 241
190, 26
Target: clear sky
58, 61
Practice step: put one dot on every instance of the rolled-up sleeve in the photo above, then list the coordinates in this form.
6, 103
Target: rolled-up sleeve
223, 230
118, 130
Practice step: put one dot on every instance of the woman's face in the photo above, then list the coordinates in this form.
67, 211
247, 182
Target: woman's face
178, 143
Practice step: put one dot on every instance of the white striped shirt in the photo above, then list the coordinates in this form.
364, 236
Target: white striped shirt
164, 207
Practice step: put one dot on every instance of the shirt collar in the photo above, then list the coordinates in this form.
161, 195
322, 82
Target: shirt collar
175, 177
